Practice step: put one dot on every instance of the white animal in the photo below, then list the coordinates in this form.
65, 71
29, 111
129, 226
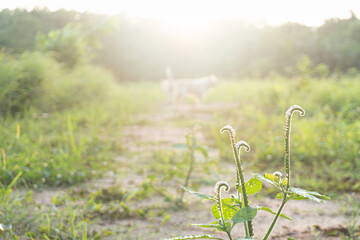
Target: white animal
177, 90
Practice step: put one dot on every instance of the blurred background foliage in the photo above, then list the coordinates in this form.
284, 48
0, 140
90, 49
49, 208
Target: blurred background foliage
135, 49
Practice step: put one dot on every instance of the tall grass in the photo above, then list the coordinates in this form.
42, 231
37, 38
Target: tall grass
328, 139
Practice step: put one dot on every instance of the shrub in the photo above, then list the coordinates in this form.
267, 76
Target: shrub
21, 80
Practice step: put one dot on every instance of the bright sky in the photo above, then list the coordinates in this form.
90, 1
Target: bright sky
308, 12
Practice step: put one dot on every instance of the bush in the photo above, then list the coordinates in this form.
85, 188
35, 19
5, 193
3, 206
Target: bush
78, 87
67, 45
21, 80
35, 80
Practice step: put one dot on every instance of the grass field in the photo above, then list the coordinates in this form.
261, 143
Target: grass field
109, 168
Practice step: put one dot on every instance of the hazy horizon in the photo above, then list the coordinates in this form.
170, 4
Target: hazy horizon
188, 13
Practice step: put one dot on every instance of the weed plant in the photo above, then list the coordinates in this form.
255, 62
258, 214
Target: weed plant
192, 147
351, 209
228, 212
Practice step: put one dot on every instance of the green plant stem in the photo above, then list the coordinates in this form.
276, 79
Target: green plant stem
187, 179
246, 203
245, 223
248, 226
229, 235
276, 217
287, 153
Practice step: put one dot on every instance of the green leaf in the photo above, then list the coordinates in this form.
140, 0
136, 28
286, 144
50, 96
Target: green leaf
244, 214
228, 209
272, 212
252, 186
280, 196
207, 225
215, 225
200, 195
293, 196
271, 177
203, 151
207, 236
317, 197
261, 178
14, 180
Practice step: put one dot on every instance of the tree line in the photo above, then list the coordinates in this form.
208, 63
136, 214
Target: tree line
137, 49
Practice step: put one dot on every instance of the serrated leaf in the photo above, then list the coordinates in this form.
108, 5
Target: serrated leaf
207, 236
211, 225
252, 186
272, 212
244, 214
261, 178
228, 209
200, 195
315, 196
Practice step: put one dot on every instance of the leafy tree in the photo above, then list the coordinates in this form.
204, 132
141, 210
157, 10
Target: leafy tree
67, 44
137, 49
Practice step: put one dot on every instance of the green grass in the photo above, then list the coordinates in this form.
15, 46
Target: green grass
327, 139
72, 145
22, 218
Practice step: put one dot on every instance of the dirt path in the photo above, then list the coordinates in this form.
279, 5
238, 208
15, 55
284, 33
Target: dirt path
160, 131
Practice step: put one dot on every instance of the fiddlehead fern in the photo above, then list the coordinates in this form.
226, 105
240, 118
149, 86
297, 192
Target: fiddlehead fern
288, 116
231, 132
246, 202
217, 196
